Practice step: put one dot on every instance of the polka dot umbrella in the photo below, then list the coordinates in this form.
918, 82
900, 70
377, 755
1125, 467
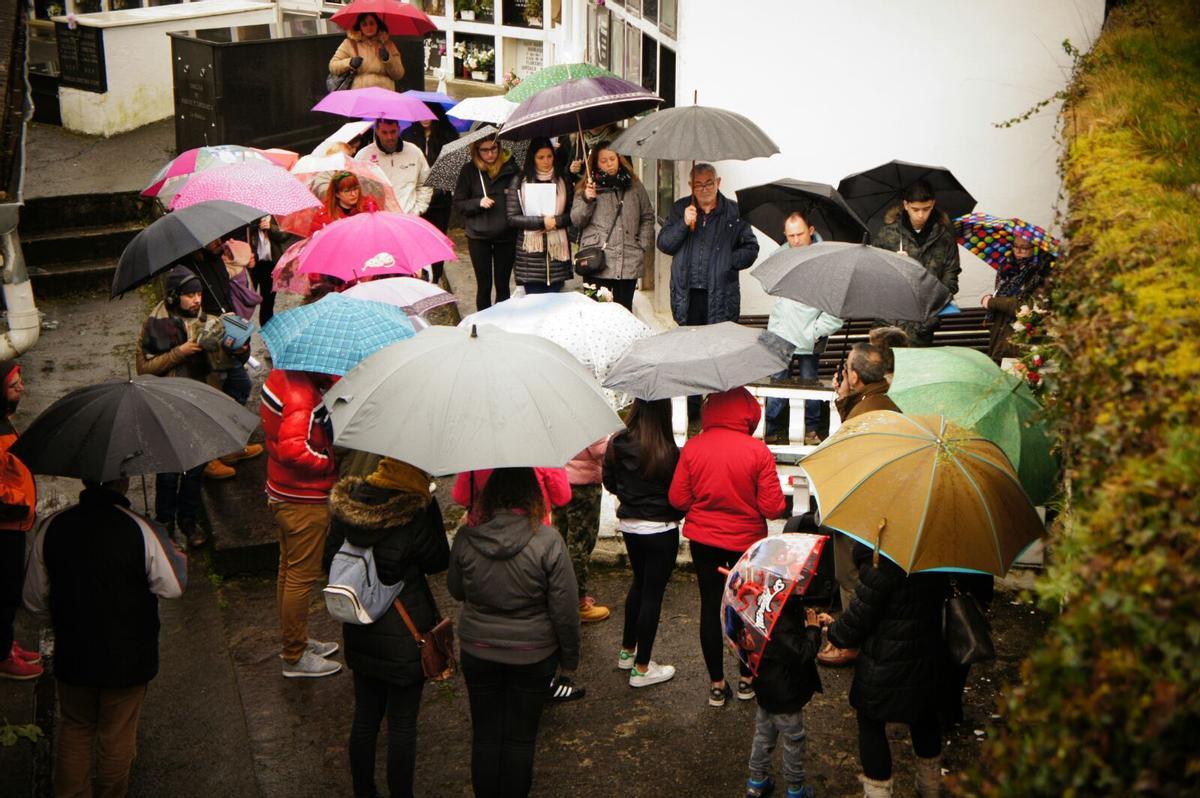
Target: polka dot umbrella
990, 237
552, 76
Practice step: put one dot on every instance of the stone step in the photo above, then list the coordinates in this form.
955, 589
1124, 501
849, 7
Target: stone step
61, 279
48, 214
73, 244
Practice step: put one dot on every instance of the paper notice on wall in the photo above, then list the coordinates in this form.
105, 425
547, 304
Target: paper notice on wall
539, 199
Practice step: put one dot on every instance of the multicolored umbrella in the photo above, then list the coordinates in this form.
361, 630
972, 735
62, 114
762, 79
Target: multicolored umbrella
374, 244
577, 105
268, 188
758, 585
552, 76
991, 237
443, 173
375, 103
172, 176
414, 296
401, 19
333, 334
317, 170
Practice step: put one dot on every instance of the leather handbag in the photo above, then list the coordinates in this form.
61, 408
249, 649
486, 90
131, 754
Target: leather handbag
590, 261
968, 633
340, 82
436, 646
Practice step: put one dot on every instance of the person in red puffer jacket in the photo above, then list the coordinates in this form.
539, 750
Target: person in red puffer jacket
300, 473
727, 484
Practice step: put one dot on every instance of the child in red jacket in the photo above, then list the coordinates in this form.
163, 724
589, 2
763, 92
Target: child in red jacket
727, 484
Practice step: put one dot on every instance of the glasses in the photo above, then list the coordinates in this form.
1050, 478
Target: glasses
492, 148
705, 186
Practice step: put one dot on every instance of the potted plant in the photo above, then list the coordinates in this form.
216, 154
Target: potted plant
466, 9
485, 60
483, 10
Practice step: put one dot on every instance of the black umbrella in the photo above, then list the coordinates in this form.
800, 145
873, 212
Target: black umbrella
175, 235
144, 425
576, 105
853, 281
872, 192
768, 206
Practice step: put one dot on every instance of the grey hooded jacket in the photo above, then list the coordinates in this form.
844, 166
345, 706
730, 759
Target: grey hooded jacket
632, 237
520, 598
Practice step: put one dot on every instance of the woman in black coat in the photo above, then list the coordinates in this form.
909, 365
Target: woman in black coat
479, 196
895, 620
543, 262
392, 511
429, 136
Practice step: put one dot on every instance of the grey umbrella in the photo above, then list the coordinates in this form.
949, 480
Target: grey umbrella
694, 360
695, 132
451, 400
443, 174
144, 425
854, 281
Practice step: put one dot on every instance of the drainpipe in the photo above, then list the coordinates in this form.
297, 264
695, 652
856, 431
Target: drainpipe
23, 322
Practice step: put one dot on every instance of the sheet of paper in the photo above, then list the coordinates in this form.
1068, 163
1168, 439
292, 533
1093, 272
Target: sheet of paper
540, 199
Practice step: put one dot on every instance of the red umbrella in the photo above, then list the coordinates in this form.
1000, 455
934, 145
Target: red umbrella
400, 18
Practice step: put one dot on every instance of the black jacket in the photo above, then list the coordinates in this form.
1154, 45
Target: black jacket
409, 541
536, 267
787, 675
644, 499
485, 223
431, 147
895, 621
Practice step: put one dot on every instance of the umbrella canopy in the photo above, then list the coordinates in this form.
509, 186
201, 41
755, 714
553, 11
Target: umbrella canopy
758, 585
931, 494
496, 109
401, 19
454, 400
411, 295
550, 76
695, 132
144, 425
873, 192
970, 390
375, 103
270, 189
435, 99
374, 244
853, 281
991, 237
693, 360
583, 103
317, 170
768, 206
176, 235
284, 277
168, 179
443, 173
596, 333
333, 334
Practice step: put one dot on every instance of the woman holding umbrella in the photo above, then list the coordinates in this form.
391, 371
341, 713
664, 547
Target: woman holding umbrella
543, 262
369, 54
1017, 279
479, 196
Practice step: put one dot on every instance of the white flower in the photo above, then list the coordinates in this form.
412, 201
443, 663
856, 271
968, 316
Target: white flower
1018, 326
604, 295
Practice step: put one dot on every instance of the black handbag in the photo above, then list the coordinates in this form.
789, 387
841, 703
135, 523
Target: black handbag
340, 82
590, 261
968, 633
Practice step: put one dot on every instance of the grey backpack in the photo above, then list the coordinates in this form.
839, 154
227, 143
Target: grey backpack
355, 593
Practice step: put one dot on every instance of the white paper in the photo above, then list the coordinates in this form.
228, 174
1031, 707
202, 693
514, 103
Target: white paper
540, 199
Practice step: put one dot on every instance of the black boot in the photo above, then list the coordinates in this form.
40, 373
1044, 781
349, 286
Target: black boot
196, 537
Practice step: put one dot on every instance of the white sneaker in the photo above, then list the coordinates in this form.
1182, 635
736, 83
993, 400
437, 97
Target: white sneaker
654, 674
625, 660
322, 649
309, 666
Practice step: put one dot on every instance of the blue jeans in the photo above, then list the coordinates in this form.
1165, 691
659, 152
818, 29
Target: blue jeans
812, 407
235, 383
177, 496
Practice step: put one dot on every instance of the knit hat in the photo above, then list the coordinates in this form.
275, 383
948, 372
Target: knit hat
7, 369
182, 280
396, 475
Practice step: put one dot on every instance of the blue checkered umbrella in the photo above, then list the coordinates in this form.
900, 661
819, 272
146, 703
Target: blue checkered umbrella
334, 334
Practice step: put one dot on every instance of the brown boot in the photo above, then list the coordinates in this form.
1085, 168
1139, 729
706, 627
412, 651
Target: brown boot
250, 451
835, 657
218, 470
590, 611
196, 537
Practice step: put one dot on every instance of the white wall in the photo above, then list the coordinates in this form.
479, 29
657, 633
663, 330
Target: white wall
844, 86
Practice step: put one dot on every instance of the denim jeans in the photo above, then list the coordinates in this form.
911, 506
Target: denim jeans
812, 408
177, 496
769, 727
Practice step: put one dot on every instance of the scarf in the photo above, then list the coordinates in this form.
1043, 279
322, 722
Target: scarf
1017, 278
621, 181
163, 331
554, 241
399, 476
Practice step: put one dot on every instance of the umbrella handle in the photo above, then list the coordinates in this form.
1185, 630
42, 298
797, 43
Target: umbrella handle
723, 571
483, 185
878, 542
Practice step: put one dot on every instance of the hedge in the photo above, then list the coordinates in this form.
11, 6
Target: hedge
1109, 702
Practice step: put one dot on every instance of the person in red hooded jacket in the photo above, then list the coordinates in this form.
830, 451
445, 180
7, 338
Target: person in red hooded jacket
727, 485
301, 471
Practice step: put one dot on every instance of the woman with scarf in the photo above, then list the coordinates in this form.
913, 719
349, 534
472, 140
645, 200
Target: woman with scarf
543, 261
479, 196
1017, 280
614, 200
369, 54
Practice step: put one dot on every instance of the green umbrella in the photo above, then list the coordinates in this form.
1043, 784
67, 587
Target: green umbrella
552, 76
969, 389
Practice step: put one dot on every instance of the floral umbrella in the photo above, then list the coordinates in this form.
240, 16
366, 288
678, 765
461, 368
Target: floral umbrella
270, 189
317, 170
552, 76
990, 237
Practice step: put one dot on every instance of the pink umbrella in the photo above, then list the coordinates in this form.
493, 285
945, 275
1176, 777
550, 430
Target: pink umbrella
199, 159
374, 103
401, 19
268, 188
317, 170
284, 277
374, 244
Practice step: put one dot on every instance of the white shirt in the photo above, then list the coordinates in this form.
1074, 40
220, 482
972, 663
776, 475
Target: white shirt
407, 169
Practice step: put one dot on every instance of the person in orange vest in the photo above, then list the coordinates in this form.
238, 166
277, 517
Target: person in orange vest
18, 506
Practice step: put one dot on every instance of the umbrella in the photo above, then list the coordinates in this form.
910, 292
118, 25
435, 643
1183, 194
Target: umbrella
873, 192
574, 105
926, 493
411, 295
333, 334
596, 333
175, 235
697, 133
550, 76
375, 103
143, 425
768, 206
853, 281
454, 400
694, 360
401, 19
169, 179
758, 585
969, 389
443, 174
374, 244
496, 109
284, 276
268, 188
990, 237
443, 101
317, 170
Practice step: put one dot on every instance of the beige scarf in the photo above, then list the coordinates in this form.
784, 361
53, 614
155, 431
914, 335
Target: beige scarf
554, 240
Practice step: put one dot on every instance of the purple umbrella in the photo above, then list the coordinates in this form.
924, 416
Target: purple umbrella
374, 103
446, 102
574, 105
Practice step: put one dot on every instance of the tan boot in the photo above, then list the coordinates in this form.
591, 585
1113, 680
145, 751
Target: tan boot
590, 611
929, 777
873, 788
218, 470
834, 657
250, 451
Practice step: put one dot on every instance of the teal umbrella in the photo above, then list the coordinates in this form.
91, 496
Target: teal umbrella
552, 76
334, 334
966, 387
